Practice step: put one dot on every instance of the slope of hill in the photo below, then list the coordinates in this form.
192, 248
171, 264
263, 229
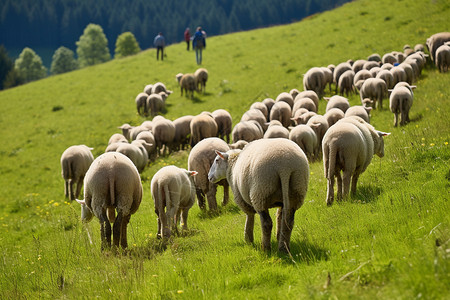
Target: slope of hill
389, 241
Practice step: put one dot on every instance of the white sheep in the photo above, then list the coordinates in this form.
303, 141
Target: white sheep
268, 102
187, 83
319, 124
135, 153
75, 162
281, 111
358, 65
338, 71
400, 102
201, 77
305, 137
173, 193
150, 144
304, 102
375, 89
202, 126
286, 97
314, 79
126, 130
141, 103
333, 115
256, 115
262, 107
276, 130
266, 173
238, 145
182, 132
156, 103
337, 101
224, 123
387, 77
345, 84
303, 118
308, 94
111, 184
200, 159
164, 133
359, 110
160, 87
442, 60
247, 131
435, 41
117, 138
349, 146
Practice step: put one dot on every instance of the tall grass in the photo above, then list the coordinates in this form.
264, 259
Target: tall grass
391, 240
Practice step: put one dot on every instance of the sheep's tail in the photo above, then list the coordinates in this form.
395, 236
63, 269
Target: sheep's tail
195, 135
110, 207
329, 158
285, 180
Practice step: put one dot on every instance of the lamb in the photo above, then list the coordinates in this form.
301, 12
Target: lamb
305, 137
276, 130
200, 159
182, 132
202, 126
345, 83
247, 131
164, 133
112, 183
75, 162
314, 79
201, 77
281, 111
286, 97
337, 101
224, 123
375, 89
348, 146
173, 193
400, 102
435, 41
442, 59
141, 103
261, 179
187, 83
359, 110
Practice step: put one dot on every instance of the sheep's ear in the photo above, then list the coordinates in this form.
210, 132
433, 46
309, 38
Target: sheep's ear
413, 86
326, 98
222, 155
82, 202
381, 133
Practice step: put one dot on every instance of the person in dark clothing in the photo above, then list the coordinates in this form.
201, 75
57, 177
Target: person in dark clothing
159, 43
199, 43
187, 37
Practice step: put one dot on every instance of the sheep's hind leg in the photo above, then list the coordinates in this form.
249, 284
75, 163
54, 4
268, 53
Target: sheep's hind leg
266, 227
287, 224
123, 232
117, 229
330, 190
249, 225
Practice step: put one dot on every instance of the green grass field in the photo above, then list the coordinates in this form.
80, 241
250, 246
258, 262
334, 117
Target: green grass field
389, 241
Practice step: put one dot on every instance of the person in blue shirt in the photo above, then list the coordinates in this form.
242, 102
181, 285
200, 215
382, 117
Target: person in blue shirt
199, 43
159, 43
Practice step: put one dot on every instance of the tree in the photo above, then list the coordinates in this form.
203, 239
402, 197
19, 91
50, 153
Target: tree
92, 48
29, 65
126, 44
63, 61
6, 65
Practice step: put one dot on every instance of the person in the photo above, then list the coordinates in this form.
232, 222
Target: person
187, 37
159, 43
198, 43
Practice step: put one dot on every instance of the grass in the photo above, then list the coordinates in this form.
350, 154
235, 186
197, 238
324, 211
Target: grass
391, 240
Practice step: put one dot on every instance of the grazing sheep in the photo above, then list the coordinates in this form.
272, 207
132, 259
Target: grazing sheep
200, 159
147, 124
345, 84
187, 83
201, 77
340, 69
160, 87
112, 183
247, 131
399, 74
374, 57
409, 71
443, 58
276, 130
150, 145
286, 97
319, 124
374, 71
305, 137
400, 102
202, 126
308, 94
281, 111
361, 75
182, 132
358, 65
113, 146
337, 101
224, 123
75, 162
387, 76
117, 138
306, 103
126, 130
314, 79
256, 115
269, 102
371, 64
156, 103
303, 118
266, 173
328, 75
359, 110
148, 89
173, 193
333, 115
164, 133
141, 103
262, 107
135, 153
238, 145
375, 89
435, 41
136, 130
389, 58
348, 146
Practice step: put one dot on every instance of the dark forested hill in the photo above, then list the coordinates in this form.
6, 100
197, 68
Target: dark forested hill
55, 23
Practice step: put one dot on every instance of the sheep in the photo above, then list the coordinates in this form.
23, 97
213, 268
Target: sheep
160, 87
374, 71
340, 69
361, 75
276, 130
156, 103
150, 145
400, 102
135, 153
419, 48
319, 124
117, 138
348, 146
328, 76
337, 101
303, 118
387, 66
399, 74
173, 193
306, 138
182, 132
306, 103
387, 77
113, 146
201, 77
409, 71
359, 110
247, 131
256, 115
261, 179
238, 145
281, 111
308, 94
164, 133
314, 79
375, 89
358, 65
200, 159
435, 41
187, 83
202, 126
147, 124
286, 97
224, 123
126, 130
333, 115
262, 107
141, 103
136, 130
345, 83
374, 57
294, 93
268, 102
442, 59
389, 58
112, 183
371, 64
75, 162
148, 89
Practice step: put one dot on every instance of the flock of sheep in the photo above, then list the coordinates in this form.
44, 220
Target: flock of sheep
260, 179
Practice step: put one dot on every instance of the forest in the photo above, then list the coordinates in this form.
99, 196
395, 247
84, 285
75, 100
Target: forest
55, 23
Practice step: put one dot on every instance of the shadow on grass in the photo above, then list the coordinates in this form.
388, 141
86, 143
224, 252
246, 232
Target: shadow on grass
366, 194
300, 252
229, 208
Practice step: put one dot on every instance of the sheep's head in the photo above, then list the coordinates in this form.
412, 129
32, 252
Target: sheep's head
218, 169
86, 213
379, 151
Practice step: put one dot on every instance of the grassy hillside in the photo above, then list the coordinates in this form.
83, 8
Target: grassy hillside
389, 241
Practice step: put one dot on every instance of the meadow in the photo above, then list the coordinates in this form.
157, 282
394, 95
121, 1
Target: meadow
390, 240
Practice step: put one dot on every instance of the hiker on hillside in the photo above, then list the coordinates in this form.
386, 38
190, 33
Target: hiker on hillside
198, 43
159, 43
187, 37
